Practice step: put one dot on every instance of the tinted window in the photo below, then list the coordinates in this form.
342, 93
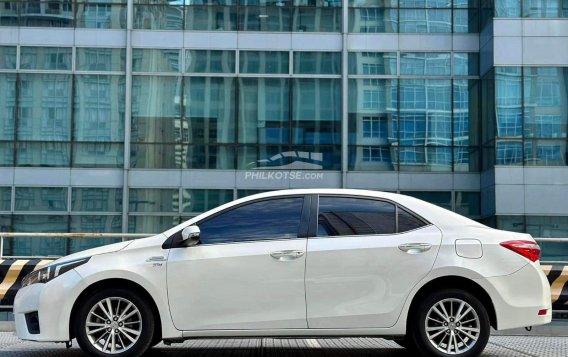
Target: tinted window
269, 219
344, 216
407, 221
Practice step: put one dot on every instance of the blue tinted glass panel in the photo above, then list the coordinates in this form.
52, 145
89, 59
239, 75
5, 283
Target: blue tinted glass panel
98, 154
508, 101
96, 200
269, 62
93, 224
5, 198
101, 59
210, 18
466, 64
317, 62
265, 18
153, 200
101, 16
425, 63
509, 153
39, 223
41, 199
158, 17
155, 60
317, 19
507, 8
372, 63
373, 20
268, 219
48, 154
45, 58
7, 57
442, 199
466, 21
468, 203
7, 106
208, 61
545, 153
425, 21
197, 201
151, 224
542, 8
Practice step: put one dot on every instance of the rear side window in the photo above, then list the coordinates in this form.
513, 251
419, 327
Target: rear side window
261, 220
408, 222
347, 216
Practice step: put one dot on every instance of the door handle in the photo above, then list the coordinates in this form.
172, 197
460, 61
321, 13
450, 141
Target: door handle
287, 255
415, 248
156, 259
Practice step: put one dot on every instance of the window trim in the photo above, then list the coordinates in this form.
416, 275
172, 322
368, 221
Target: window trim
314, 217
175, 241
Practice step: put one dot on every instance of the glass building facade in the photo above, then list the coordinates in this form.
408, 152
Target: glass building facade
132, 116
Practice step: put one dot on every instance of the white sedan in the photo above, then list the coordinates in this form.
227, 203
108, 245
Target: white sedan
295, 263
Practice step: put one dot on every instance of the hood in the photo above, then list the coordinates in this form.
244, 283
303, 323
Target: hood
111, 248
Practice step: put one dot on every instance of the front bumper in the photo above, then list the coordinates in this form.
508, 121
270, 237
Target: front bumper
53, 303
519, 297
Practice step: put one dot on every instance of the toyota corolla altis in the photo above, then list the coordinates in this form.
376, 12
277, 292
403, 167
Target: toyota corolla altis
295, 263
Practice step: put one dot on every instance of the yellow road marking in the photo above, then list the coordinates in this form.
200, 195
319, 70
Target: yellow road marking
558, 284
11, 276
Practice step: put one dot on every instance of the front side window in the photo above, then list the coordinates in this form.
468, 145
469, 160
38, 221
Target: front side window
347, 216
261, 220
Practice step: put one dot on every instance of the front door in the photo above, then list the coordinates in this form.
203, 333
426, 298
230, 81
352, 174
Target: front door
246, 273
363, 261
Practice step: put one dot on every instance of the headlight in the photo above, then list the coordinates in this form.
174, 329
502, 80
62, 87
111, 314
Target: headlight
51, 272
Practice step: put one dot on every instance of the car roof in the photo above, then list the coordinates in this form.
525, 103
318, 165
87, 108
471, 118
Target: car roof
432, 213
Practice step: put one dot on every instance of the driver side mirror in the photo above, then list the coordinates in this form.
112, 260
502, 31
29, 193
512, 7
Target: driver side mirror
190, 236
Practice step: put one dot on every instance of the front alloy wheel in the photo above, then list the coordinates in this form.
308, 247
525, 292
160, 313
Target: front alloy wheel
451, 323
114, 322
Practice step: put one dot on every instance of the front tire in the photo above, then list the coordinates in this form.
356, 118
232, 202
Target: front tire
450, 322
114, 322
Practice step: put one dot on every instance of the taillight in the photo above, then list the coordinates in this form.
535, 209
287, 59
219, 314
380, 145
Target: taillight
526, 248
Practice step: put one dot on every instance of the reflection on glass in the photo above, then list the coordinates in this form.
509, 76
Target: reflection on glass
155, 60
48, 154
546, 153
264, 110
41, 199
466, 63
45, 58
267, 62
99, 108
425, 3
156, 110
372, 158
98, 154
151, 224
210, 18
101, 16
507, 8
425, 63
466, 21
210, 109
101, 59
209, 61
209, 157
267, 219
466, 112
372, 105
317, 62
5, 199
44, 107
466, 159
46, 13
509, 152
316, 111
158, 17
295, 157
93, 224
153, 200
372, 63
6, 153
38, 223
317, 19
7, 57
425, 21
542, 8
7, 106
157, 156
96, 200
425, 114
545, 102
373, 20
508, 98
425, 159
264, 18
342, 216
468, 203
198, 201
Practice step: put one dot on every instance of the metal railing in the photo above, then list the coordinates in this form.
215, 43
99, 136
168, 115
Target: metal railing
122, 236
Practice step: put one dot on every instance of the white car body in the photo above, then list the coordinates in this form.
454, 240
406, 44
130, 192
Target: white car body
341, 286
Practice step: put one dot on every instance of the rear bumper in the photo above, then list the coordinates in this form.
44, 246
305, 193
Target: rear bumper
519, 297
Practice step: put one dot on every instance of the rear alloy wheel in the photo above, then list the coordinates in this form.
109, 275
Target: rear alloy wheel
451, 323
114, 322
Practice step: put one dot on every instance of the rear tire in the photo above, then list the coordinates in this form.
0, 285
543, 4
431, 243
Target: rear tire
114, 322
450, 322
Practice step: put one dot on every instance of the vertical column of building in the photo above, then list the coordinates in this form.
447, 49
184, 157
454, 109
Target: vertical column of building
127, 114
344, 96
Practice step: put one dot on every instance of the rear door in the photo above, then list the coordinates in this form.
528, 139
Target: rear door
364, 257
